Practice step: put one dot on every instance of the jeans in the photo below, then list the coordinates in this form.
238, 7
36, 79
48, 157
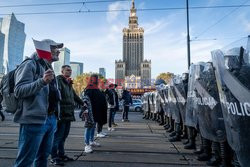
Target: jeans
60, 136
113, 116
89, 134
35, 143
111, 111
125, 112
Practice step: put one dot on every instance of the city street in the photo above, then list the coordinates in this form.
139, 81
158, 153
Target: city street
137, 143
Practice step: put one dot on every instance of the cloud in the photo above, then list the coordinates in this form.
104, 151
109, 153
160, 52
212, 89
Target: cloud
112, 16
154, 27
245, 22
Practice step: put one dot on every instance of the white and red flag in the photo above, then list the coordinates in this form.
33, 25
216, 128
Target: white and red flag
43, 48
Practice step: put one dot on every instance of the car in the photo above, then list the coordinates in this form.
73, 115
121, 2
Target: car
136, 106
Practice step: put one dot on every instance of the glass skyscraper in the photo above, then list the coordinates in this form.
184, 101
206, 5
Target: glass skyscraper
64, 59
14, 39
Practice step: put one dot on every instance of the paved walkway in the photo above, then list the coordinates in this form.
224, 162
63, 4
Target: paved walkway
138, 143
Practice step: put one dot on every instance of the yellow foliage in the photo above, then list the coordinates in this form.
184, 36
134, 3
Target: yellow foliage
165, 76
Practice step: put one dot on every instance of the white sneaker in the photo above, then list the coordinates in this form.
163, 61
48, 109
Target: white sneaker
95, 144
105, 134
123, 120
101, 135
110, 129
88, 149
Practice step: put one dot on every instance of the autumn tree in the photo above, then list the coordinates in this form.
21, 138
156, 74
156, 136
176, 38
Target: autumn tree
165, 76
81, 81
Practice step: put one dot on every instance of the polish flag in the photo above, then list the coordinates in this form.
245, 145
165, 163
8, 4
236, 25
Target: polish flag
43, 49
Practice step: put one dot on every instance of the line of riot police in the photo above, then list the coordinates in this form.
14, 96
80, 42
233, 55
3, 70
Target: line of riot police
212, 100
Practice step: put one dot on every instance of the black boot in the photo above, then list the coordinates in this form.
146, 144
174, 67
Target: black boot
171, 127
2, 115
185, 142
216, 159
177, 136
201, 149
226, 155
184, 133
191, 138
206, 155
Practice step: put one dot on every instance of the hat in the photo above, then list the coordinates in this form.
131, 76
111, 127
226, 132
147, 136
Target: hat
52, 43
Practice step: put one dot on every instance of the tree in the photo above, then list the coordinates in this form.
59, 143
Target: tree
81, 81
165, 76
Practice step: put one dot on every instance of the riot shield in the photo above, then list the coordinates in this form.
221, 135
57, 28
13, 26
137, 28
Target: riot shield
233, 81
165, 98
210, 118
173, 103
154, 102
181, 98
151, 103
191, 116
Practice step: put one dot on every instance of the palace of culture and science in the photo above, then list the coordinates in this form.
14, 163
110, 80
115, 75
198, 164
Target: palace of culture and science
133, 66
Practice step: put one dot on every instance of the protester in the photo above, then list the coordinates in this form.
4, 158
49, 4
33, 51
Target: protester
116, 108
127, 101
67, 106
98, 109
113, 104
100, 132
38, 100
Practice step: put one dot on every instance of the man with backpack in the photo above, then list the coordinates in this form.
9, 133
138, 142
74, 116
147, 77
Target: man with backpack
38, 97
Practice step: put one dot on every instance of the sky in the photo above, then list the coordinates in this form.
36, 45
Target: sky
96, 38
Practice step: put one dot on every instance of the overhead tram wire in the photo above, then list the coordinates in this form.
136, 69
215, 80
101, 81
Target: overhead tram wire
61, 3
109, 11
222, 18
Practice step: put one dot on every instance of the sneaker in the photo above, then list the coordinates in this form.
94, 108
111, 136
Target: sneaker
100, 135
104, 133
95, 144
110, 129
65, 158
56, 162
123, 120
114, 124
88, 149
126, 120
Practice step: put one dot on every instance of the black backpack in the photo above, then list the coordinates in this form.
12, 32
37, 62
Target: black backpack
7, 86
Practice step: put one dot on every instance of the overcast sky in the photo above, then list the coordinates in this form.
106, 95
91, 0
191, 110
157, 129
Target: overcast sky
96, 38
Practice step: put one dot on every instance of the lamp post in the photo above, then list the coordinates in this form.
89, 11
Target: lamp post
188, 36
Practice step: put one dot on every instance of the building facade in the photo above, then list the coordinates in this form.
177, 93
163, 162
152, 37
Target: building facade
102, 72
77, 69
1, 51
133, 63
64, 59
14, 39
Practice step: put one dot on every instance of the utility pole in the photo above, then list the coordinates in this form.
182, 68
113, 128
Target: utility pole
188, 36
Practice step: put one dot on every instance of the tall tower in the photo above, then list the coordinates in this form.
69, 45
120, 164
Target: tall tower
133, 44
133, 51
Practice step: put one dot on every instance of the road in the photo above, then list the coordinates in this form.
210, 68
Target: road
138, 143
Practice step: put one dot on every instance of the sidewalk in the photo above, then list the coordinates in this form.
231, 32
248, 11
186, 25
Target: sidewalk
137, 143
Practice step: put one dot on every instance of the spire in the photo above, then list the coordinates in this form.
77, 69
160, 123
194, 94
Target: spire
133, 4
133, 20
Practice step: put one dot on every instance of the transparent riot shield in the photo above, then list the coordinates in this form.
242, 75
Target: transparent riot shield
233, 81
165, 98
181, 98
173, 103
210, 118
191, 116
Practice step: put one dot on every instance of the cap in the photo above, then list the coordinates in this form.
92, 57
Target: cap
53, 43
